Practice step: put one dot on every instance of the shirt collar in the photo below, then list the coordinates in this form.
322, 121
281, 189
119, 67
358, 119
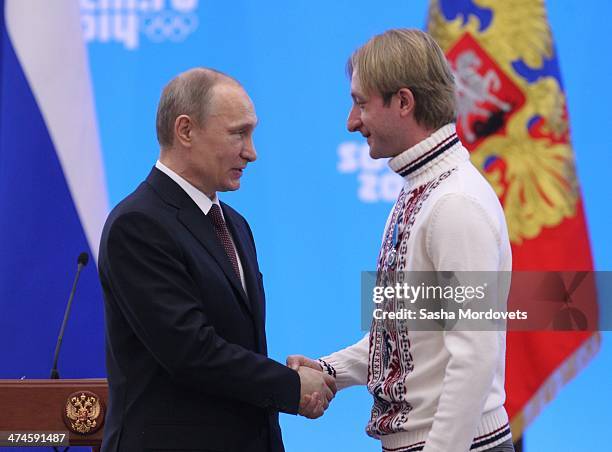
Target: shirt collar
201, 200
429, 158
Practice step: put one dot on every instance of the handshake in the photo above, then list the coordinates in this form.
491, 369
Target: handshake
317, 388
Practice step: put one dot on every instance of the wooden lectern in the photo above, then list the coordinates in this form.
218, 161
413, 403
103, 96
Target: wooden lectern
39, 408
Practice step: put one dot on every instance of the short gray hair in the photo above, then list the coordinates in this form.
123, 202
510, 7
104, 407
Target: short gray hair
189, 94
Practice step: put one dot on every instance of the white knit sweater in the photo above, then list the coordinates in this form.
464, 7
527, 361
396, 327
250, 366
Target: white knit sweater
450, 392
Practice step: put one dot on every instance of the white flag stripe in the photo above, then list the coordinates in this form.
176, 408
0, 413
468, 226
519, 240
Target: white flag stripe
48, 41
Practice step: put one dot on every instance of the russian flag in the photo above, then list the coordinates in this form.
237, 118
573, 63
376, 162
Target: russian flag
513, 118
53, 198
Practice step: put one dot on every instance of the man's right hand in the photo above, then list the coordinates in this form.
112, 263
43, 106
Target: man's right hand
296, 361
316, 390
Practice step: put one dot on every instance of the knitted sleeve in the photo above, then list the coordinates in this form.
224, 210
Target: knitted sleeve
350, 365
462, 236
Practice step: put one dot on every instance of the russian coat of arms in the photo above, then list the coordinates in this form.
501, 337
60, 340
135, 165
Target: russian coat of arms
511, 110
84, 412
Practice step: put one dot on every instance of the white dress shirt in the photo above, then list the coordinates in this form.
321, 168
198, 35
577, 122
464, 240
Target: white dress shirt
203, 202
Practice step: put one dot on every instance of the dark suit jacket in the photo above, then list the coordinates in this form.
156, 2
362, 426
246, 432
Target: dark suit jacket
185, 346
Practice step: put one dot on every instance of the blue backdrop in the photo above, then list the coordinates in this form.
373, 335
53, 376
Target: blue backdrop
316, 204
317, 207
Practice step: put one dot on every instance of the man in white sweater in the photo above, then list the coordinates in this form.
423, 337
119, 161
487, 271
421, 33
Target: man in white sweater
434, 391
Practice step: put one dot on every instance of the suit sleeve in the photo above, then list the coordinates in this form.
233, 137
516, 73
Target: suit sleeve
159, 299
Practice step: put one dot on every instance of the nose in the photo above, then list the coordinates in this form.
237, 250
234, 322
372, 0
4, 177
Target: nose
248, 151
353, 122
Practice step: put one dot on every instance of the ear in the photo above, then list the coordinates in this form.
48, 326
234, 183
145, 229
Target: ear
406, 99
183, 130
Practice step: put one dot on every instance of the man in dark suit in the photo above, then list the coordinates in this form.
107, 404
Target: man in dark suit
184, 300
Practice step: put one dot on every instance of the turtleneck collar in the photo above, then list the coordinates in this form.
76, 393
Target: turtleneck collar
426, 160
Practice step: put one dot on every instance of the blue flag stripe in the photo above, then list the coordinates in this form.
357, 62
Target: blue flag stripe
41, 236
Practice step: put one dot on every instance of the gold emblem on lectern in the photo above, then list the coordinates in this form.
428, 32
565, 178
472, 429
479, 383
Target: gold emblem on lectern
84, 412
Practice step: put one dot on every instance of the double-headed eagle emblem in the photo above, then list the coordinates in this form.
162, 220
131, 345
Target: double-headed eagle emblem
512, 114
82, 411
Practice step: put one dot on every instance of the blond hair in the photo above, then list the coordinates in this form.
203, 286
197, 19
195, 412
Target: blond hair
408, 58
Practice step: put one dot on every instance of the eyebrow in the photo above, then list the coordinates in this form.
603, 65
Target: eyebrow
357, 97
245, 125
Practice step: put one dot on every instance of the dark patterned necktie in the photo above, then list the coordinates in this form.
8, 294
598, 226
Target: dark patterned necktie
224, 236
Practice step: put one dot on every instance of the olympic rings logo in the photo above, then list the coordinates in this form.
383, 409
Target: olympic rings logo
168, 25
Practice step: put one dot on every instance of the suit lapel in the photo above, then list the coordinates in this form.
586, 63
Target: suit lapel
190, 215
242, 240
202, 228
